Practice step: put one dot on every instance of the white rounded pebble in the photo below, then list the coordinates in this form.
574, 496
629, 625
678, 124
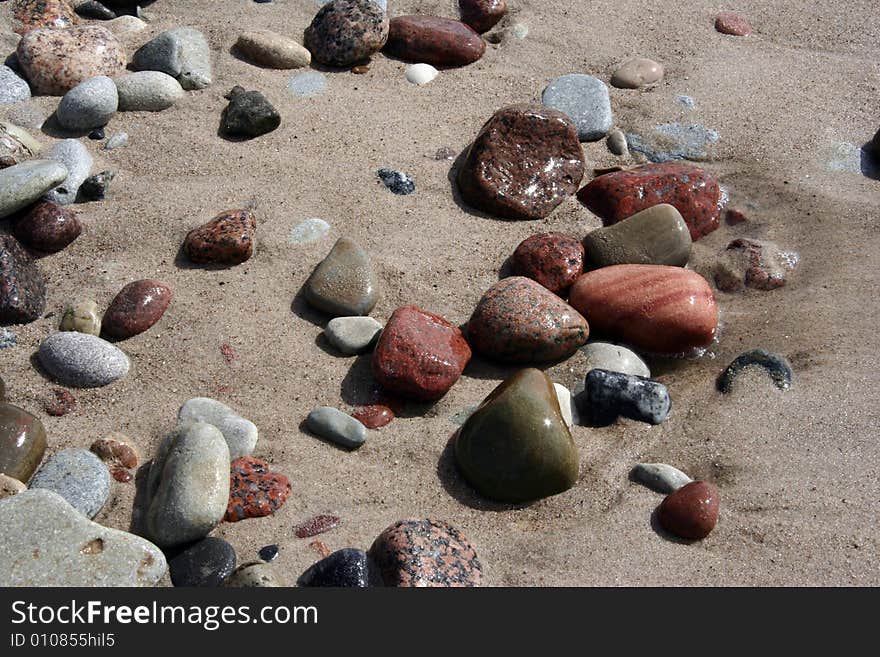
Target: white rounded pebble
420, 73
240, 434
147, 91
90, 104
309, 230
80, 360
660, 477
614, 358
76, 158
520, 30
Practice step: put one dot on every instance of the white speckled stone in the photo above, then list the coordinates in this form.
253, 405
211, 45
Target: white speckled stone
76, 158
182, 53
80, 360
612, 357
12, 88
420, 74
585, 99
352, 335
78, 476
660, 477
90, 104
240, 434
336, 426
22, 184
147, 91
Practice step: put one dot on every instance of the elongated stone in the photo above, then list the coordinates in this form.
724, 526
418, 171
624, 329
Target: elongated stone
660, 477
80, 360
22, 442
352, 335
344, 283
24, 183
635, 73
777, 367
16, 144
75, 157
273, 50
655, 236
22, 286
136, 307
608, 395
241, 434
433, 40
336, 426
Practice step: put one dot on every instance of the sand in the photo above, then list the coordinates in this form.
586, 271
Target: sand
798, 471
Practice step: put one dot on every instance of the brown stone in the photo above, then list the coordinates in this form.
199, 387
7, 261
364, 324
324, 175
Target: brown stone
691, 512
729, 22
136, 308
228, 239
482, 15
115, 451
552, 259
55, 14
62, 403
433, 40
22, 442
48, 227
374, 416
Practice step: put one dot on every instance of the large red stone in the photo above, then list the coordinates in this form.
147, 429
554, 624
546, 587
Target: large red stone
253, 491
136, 308
692, 190
228, 239
552, 259
419, 355
691, 512
433, 40
482, 15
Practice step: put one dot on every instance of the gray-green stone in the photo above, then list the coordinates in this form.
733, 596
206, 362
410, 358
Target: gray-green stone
336, 426
344, 283
660, 477
240, 434
655, 236
22, 442
22, 184
147, 91
79, 477
353, 335
83, 317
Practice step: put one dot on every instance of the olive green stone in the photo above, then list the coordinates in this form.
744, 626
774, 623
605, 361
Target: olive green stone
344, 284
22, 442
655, 236
83, 317
516, 447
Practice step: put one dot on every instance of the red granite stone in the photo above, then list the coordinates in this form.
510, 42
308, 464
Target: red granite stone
253, 491
29, 14
228, 239
552, 259
433, 40
419, 355
62, 404
691, 512
729, 22
136, 308
373, 416
316, 525
22, 286
482, 15
48, 227
693, 191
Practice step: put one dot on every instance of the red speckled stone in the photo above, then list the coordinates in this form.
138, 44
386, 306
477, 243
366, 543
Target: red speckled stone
115, 453
552, 259
482, 15
729, 22
373, 417
315, 526
425, 553
419, 355
692, 190
345, 32
520, 321
750, 263
690, 512
63, 403
22, 286
228, 239
48, 227
253, 492
29, 14
138, 306
667, 310
433, 40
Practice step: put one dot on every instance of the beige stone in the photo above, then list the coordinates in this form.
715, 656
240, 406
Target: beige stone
638, 72
83, 317
273, 50
10, 486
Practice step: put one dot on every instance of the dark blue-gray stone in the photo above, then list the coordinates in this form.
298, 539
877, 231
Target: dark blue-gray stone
775, 365
345, 568
608, 395
206, 563
269, 553
396, 181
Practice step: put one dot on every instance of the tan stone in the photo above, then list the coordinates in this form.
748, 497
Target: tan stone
636, 73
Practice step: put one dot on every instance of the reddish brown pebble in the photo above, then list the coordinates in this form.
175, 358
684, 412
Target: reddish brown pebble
552, 259
121, 475
321, 548
735, 217
253, 491
729, 22
433, 40
482, 15
373, 417
360, 70
116, 453
227, 352
315, 526
48, 227
30, 14
63, 403
228, 239
136, 308
690, 512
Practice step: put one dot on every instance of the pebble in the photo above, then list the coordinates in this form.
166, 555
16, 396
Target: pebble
228, 239
693, 191
241, 435
420, 74
757, 264
116, 141
10, 486
425, 553
616, 141
776, 366
669, 142
76, 159
609, 395
307, 84
349, 568
125, 26
691, 512
248, 115
147, 91
552, 259
88, 105
345, 32
374, 416
55, 61
516, 447
22, 184
564, 397
22, 286
482, 15
585, 99
115, 451
48, 227
433, 40
636, 73
16, 145
7, 339
524, 162
269, 553
79, 477
252, 575
181, 52
136, 307
82, 316
188, 485
54, 14
666, 310
273, 50
253, 491
95, 188
12, 88
728, 22
519, 321
660, 477
337, 427
352, 335
79, 360
54, 545
344, 283
97, 134
93, 9
614, 358
686, 101
308, 231
22, 442
654, 236
206, 563
61, 404
397, 182
316, 525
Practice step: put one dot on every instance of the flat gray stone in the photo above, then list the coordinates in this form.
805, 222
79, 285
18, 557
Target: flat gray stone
46, 542
78, 476
668, 142
90, 104
182, 53
240, 434
22, 184
353, 335
12, 88
585, 99
80, 360
76, 158
660, 477
147, 91
614, 358
336, 426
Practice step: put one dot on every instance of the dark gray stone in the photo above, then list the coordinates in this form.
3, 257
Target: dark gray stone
608, 395
345, 568
206, 563
776, 366
248, 114
396, 181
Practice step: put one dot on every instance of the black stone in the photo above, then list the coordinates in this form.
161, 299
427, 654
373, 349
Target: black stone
397, 181
96, 10
97, 134
94, 188
269, 553
776, 366
22, 286
206, 563
248, 114
608, 395
345, 568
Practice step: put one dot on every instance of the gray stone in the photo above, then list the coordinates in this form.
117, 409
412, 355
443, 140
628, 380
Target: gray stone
336, 426
147, 91
116, 141
79, 477
673, 141
12, 88
80, 360
344, 284
7, 338
90, 104
252, 575
660, 477
608, 395
240, 434
76, 158
585, 99
22, 184
617, 143
353, 335
188, 485
614, 358
182, 53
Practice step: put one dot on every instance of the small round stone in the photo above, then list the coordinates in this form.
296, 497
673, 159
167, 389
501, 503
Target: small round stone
336, 426
136, 308
637, 73
691, 512
79, 477
10, 486
206, 563
48, 227
90, 104
374, 416
352, 335
552, 259
729, 22
80, 360
612, 357
248, 115
82, 316
420, 74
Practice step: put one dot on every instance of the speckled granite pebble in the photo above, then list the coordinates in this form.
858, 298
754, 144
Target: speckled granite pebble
552, 259
206, 563
241, 435
80, 360
48, 227
22, 286
397, 182
90, 104
254, 492
12, 88
349, 568
228, 239
78, 476
344, 32
660, 477
30, 14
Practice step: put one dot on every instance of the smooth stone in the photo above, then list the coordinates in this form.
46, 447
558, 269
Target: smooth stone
352, 335
48, 227
241, 435
22, 442
433, 40
660, 477
22, 184
616, 141
336, 426
564, 397
669, 142
666, 310
691, 512
16, 145
248, 115
552, 259
516, 447
206, 563
181, 52
80, 360
519, 321
228, 239
22, 286
31, 14
420, 74
95, 188
93, 9
135, 308
252, 575
729, 22
524, 162
614, 358
76, 159
12, 88
348, 568
609, 395
315, 525
125, 26
79, 477
693, 191
373, 416
636, 73
10, 486
88, 105
585, 99
308, 231
82, 316
55, 61
269, 553
425, 553
254, 492
55, 545
345, 32
654, 236
116, 141
115, 451
777, 368
188, 485
482, 15
344, 284
307, 84
147, 91
757, 264
397, 182
273, 50
419, 355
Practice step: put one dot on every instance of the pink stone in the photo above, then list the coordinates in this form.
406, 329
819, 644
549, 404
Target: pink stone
729, 22
552, 259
